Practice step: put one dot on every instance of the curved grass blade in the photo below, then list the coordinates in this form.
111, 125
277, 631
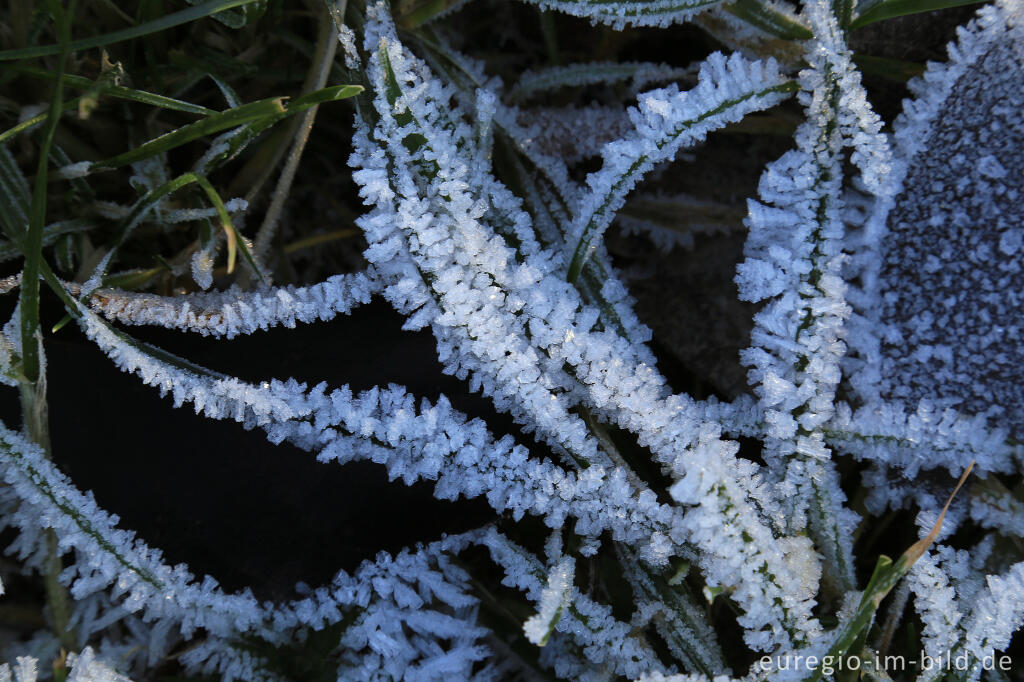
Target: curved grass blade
888, 9
146, 204
726, 91
150, 27
234, 239
769, 20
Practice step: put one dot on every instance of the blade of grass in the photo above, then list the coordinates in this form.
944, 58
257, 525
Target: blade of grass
261, 113
230, 118
896, 70
121, 92
37, 211
606, 203
145, 204
35, 120
886, 575
163, 23
767, 19
33, 387
234, 239
888, 9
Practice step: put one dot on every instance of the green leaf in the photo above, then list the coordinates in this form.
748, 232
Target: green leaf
163, 23
333, 93
887, 9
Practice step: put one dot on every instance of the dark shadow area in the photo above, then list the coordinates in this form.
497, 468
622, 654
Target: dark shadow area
225, 500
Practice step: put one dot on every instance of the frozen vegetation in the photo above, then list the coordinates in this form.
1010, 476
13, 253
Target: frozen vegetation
887, 343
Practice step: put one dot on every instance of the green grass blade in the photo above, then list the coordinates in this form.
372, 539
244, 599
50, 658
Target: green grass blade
895, 70
148, 28
263, 113
843, 9
887, 9
82, 83
139, 211
329, 94
767, 19
37, 211
886, 575
235, 240
230, 118
34, 121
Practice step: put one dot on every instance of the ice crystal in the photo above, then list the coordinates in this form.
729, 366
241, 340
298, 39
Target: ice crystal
508, 272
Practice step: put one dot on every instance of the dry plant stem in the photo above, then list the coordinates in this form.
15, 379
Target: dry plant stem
37, 429
326, 46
